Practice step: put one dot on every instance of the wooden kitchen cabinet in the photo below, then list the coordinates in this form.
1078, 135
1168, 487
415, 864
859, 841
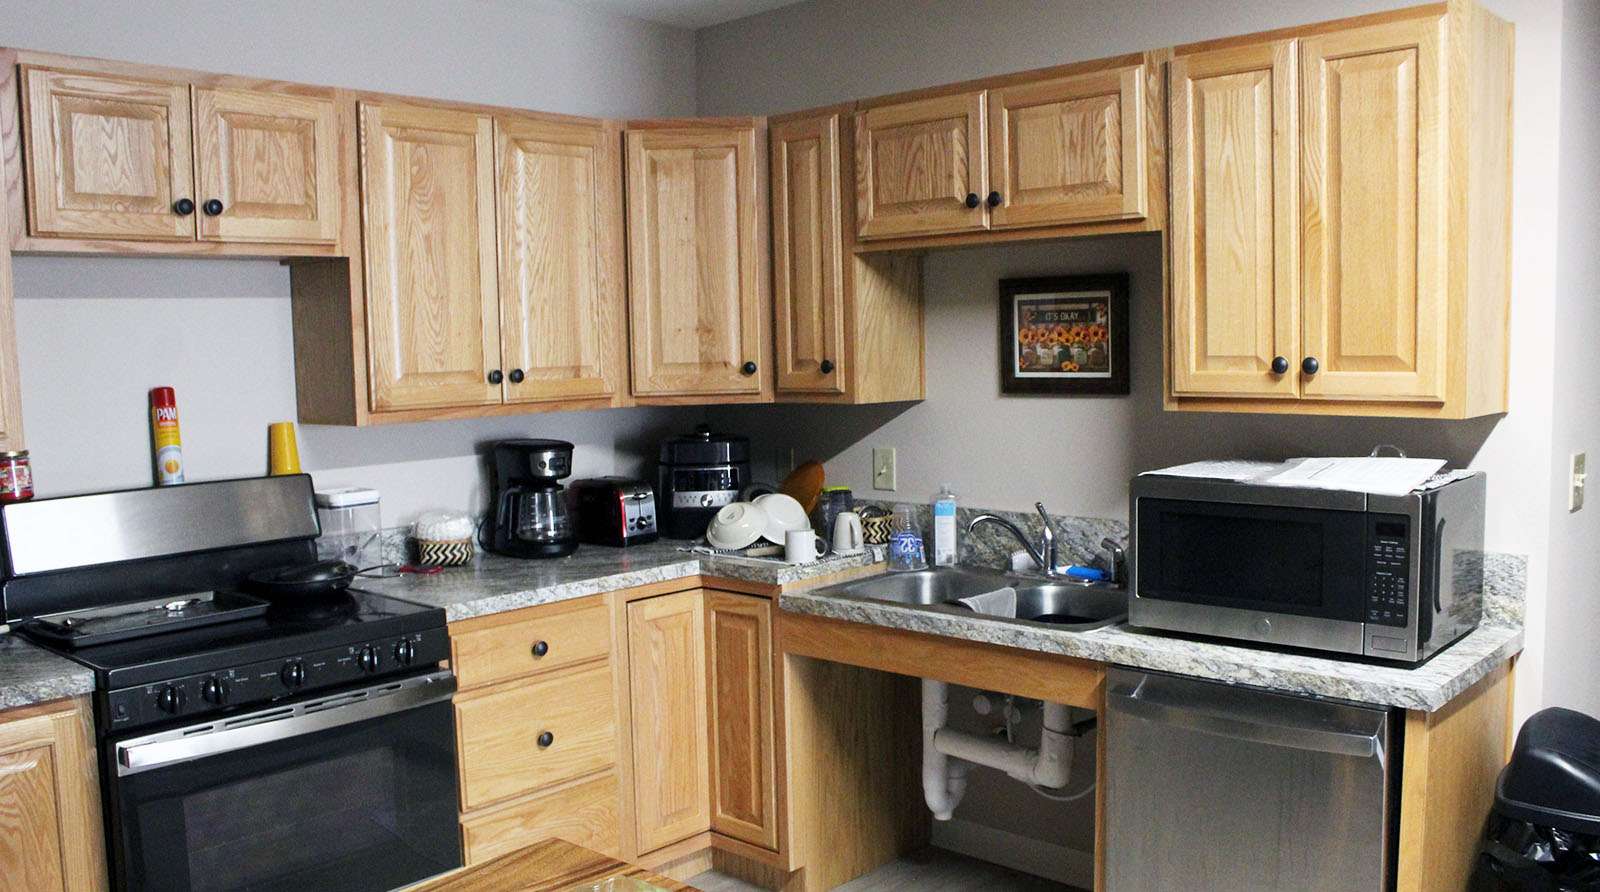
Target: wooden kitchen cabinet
697, 286
667, 677
920, 167
1339, 219
849, 327
107, 156
10, 379
50, 830
563, 306
744, 774
269, 161
433, 306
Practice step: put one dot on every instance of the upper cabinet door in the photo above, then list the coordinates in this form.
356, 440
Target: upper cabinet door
563, 308
920, 167
807, 255
1235, 288
267, 167
1068, 150
1372, 188
695, 271
433, 314
107, 157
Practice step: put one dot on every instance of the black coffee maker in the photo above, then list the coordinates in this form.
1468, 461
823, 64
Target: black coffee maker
530, 510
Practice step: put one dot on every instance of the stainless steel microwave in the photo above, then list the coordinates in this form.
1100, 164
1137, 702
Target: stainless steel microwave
1389, 577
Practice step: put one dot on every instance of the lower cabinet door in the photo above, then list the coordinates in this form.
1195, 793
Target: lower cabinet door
667, 676
50, 831
584, 813
743, 780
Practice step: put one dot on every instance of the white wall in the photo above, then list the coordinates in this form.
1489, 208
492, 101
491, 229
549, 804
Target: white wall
96, 333
1077, 453
1574, 602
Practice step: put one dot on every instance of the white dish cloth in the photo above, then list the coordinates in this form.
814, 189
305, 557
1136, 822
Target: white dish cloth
1000, 602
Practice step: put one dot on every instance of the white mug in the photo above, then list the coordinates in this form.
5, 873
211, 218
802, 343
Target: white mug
847, 535
802, 546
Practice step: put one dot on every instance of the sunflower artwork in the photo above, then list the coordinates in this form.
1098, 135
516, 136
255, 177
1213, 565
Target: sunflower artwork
1064, 335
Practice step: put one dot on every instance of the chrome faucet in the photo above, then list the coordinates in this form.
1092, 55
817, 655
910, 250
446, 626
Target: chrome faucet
1044, 555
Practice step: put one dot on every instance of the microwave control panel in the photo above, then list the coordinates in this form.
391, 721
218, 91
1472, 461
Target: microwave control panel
1388, 569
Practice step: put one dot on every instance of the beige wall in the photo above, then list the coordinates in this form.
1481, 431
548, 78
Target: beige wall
96, 333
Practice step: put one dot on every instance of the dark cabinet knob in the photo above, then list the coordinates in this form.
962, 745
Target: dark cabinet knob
212, 207
546, 739
516, 376
972, 199
1309, 365
994, 199
495, 377
826, 366
540, 648
183, 206
749, 368
1279, 365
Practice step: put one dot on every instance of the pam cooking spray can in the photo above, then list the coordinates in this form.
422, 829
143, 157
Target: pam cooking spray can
165, 439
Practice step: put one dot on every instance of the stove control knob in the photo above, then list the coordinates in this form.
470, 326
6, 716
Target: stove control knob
404, 651
214, 691
368, 659
293, 674
170, 699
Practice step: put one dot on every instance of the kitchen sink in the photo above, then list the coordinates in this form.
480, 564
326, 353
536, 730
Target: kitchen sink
1064, 604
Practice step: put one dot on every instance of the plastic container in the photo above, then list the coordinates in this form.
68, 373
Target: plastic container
352, 525
905, 543
946, 545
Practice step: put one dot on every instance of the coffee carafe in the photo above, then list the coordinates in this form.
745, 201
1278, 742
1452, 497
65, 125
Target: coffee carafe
530, 509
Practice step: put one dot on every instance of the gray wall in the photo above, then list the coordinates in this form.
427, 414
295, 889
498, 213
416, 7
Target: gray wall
1574, 612
96, 333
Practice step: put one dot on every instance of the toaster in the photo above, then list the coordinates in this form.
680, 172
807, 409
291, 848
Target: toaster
616, 511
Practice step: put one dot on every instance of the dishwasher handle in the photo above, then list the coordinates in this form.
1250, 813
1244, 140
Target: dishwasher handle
1148, 700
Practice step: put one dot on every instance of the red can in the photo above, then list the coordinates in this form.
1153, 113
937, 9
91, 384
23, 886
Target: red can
16, 477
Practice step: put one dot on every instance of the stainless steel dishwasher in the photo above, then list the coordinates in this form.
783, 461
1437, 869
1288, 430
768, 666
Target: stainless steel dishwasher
1216, 787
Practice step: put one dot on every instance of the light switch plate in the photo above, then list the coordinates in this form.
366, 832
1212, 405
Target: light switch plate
883, 468
1580, 476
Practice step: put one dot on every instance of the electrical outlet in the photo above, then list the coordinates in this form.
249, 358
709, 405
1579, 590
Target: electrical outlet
1580, 476
883, 468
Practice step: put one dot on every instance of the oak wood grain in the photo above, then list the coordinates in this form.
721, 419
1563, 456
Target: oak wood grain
584, 813
807, 257
492, 649
551, 865
740, 672
917, 163
667, 673
272, 160
50, 830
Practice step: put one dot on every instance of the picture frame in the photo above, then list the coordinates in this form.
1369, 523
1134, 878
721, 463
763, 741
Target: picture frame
1064, 335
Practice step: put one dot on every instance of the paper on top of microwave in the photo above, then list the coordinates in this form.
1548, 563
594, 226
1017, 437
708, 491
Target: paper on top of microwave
1237, 470
1378, 475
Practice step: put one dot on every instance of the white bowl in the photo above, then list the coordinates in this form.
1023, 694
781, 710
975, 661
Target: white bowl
784, 513
737, 525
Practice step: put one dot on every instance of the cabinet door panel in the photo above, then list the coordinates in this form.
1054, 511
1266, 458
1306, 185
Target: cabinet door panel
562, 305
667, 675
807, 261
916, 163
107, 157
694, 275
743, 779
50, 830
1235, 254
1069, 150
272, 160
433, 316
1372, 192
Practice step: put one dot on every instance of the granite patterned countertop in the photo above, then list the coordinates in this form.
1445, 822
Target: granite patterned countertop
1427, 687
30, 674
494, 584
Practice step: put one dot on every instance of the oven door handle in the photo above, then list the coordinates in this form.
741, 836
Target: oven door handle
233, 733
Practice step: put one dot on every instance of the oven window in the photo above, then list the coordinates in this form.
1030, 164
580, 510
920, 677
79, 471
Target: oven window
371, 805
1256, 557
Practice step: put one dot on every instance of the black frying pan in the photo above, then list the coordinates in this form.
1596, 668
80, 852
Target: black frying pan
298, 583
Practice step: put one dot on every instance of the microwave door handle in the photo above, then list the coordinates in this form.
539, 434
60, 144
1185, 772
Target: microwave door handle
226, 735
1361, 745
1438, 565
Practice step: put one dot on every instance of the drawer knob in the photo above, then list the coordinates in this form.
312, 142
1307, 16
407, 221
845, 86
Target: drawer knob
972, 200
749, 368
1279, 365
183, 206
546, 739
1309, 365
540, 648
826, 366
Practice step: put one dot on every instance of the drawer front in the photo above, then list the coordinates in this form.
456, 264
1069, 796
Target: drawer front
500, 733
539, 640
585, 814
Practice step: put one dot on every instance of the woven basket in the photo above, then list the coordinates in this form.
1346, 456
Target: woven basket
444, 553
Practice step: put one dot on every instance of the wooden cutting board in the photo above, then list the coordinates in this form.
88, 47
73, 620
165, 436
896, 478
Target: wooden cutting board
804, 485
548, 866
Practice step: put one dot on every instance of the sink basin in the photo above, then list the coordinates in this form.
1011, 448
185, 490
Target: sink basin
1062, 604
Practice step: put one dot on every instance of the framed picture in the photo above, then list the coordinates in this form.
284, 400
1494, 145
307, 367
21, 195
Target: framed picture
1064, 334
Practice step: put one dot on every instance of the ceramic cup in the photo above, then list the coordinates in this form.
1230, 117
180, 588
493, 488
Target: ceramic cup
802, 546
848, 537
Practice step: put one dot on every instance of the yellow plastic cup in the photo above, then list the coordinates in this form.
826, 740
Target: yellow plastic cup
283, 452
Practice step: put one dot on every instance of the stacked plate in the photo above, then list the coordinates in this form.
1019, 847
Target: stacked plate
740, 524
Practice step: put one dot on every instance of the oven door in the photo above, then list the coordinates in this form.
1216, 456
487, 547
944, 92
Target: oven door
351, 791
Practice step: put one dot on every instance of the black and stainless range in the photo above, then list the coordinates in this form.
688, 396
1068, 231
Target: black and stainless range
242, 745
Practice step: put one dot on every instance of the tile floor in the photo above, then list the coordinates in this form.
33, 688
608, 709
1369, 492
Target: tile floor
930, 870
